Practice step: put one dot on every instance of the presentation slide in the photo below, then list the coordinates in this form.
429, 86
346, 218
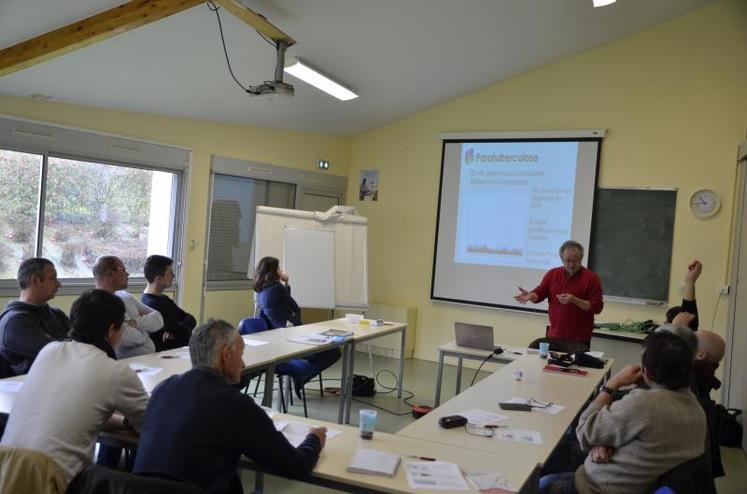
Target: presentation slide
505, 207
515, 203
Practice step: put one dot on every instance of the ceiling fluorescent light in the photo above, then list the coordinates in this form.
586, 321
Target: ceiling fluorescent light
310, 75
603, 3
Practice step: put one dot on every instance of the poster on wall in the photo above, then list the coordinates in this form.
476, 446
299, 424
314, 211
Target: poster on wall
369, 186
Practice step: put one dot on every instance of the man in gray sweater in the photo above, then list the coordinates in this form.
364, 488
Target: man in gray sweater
634, 441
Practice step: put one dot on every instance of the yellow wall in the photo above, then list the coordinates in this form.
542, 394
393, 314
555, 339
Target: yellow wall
274, 146
674, 100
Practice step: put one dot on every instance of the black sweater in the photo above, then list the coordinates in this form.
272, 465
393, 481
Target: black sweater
197, 426
178, 323
24, 330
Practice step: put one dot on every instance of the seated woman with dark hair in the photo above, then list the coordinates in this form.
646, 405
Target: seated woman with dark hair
275, 305
74, 388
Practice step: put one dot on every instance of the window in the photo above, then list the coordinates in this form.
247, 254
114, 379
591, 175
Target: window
232, 214
238, 188
71, 196
19, 200
92, 209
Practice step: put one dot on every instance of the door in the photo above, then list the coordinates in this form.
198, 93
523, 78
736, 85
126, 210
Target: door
735, 372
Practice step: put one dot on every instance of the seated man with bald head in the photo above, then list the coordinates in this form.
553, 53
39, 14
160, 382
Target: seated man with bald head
710, 352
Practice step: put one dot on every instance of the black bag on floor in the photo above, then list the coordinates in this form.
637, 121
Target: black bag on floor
363, 386
729, 429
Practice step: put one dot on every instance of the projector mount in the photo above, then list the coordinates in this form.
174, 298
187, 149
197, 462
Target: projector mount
275, 87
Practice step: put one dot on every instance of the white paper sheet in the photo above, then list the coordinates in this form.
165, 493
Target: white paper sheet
145, 371
296, 432
553, 409
490, 482
482, 418
250, 342
435, 475
313, 339
519, 436
595, 354
10, 386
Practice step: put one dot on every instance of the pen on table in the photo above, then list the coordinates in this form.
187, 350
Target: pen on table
517, 353
424, 458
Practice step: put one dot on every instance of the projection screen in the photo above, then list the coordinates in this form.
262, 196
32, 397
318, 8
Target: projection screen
507, 201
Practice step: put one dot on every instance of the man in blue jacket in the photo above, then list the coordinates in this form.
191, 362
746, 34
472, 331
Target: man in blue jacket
197, 425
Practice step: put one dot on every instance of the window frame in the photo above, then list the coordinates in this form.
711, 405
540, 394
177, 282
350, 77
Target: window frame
305, 181
81, 145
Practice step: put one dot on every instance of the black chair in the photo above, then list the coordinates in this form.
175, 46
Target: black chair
560, 345
96, 479
690, 477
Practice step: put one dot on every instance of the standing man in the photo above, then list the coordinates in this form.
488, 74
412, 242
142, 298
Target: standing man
177, 324
110, 275
29, 323
573, 293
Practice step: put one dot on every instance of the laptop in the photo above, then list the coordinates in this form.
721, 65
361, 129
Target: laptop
474, 336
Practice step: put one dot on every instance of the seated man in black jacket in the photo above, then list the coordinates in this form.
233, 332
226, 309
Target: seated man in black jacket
711, 349
29, 323
177, 324
197, 425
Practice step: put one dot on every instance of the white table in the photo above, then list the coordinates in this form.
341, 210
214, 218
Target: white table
276, 349
331, 471
462, 352
570, 391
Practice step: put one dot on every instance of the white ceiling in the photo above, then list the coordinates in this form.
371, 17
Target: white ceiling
401, 56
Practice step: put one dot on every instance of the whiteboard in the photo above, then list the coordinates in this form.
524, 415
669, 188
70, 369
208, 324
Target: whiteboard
310, 256
350, 249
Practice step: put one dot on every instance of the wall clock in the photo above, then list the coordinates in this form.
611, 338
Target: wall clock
705, 203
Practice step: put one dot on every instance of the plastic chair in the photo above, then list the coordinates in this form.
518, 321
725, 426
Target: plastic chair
251, 325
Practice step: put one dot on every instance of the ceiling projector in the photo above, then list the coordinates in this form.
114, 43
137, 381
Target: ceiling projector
271, 88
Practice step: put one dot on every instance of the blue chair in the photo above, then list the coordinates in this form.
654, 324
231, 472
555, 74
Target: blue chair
247, 326
251, 325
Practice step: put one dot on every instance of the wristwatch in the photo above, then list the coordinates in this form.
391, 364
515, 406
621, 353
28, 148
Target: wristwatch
607, 389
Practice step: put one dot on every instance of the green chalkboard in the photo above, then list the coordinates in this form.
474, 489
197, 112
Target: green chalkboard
631, 242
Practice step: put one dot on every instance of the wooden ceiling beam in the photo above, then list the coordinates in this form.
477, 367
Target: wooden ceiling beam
88, 31
256, 21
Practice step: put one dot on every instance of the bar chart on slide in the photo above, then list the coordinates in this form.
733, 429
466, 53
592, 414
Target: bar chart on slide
493, 229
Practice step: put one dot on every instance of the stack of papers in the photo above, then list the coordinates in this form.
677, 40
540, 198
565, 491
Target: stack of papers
436, 475
314, 339
490, 482
371, 462
519, 436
